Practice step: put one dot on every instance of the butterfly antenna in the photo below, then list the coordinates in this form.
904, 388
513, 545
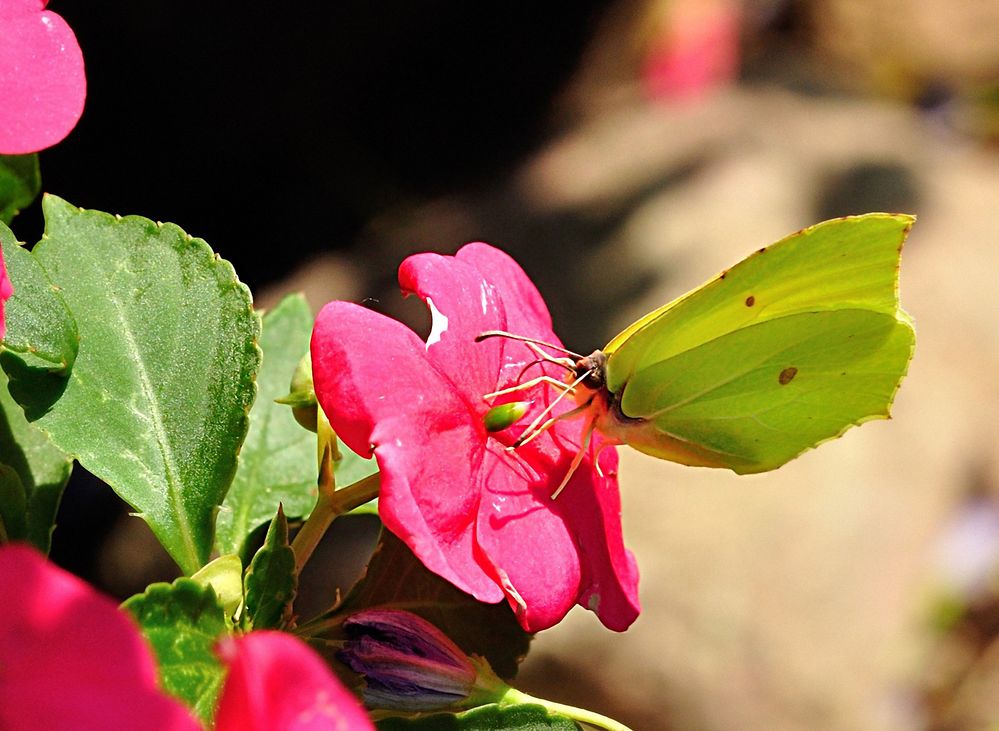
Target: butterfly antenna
567, 363
526, 368
503, 334
554, 383
578, 459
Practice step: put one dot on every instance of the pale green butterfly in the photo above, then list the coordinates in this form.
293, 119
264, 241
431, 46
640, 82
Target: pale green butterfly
787, 349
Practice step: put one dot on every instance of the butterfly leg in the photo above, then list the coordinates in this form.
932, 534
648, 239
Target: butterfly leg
532, 430
542, 355
596, 457
530, 433
563, 387
578, 459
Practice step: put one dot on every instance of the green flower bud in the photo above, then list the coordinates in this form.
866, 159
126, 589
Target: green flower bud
302, 397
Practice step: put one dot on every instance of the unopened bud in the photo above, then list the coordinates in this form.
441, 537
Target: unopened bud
302, 397
410, 665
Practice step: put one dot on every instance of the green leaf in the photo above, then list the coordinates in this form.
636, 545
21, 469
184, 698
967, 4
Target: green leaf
225, 576
520, 717
277, 464
42, 468
182, 622
20, 181
271, 581
13, 505
156, 404
41, 332
396, 579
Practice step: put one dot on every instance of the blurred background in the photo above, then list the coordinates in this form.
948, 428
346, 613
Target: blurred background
623, 152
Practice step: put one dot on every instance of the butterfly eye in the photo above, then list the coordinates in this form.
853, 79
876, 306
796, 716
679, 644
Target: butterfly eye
500, 417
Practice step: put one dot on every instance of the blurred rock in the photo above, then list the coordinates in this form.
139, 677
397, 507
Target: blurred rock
898, 47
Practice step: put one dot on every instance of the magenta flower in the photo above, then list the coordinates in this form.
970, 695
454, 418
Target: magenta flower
475, 514
276, 681
70, 659
697, 51
42, 82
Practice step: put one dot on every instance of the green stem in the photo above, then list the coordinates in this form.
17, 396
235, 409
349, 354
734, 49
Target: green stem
356, 494
330, 504
577, 714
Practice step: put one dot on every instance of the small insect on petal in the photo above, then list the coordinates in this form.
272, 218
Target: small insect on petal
500, 417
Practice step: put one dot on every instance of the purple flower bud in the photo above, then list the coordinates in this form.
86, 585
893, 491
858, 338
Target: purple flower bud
410, 665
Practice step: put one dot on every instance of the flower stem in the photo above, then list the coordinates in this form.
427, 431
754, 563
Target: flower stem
330, 504
327, 509
577, 714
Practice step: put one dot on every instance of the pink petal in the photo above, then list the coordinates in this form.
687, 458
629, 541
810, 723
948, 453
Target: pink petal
277, 683
528, 546
70, 659
525, 309
480, 288
42, 80
462, 309
592, 506
552, 554
383, 396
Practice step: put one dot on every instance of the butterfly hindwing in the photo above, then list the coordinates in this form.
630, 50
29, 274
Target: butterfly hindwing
757, 397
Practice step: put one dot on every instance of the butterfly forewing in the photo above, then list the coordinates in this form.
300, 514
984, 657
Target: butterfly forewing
846, 263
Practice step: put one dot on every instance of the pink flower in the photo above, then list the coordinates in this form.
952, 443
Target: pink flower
42, 83
697, 51
277, 683
70, 660
6, 290
475, 514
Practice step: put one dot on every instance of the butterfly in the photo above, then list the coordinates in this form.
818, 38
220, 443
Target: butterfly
783, 351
